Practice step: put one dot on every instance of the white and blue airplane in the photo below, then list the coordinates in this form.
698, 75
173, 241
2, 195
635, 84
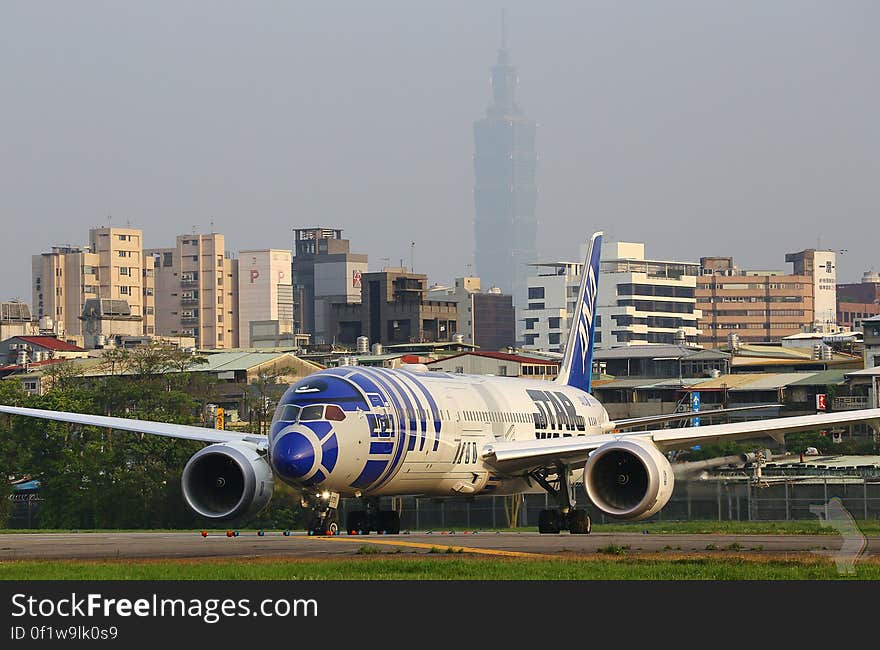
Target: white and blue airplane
369, 432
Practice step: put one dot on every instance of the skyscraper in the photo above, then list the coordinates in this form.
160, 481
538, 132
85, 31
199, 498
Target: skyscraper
505, 191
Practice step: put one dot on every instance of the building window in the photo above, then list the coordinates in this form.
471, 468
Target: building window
555, 323
536, 305
502, 371
530, 323
124, 270
530, 339
536, 293
553, 338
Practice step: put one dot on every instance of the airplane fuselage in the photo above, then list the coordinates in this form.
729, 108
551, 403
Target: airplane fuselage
366, 431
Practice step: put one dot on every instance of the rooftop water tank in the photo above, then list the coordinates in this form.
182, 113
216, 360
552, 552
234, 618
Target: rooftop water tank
363, 345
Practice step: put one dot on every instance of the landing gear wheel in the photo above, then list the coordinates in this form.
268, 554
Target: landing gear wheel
389, 522
579, 522
548, 522
356, 523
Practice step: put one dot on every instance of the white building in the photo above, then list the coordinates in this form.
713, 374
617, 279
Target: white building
645, 301
640, 301
265, 289
552, 294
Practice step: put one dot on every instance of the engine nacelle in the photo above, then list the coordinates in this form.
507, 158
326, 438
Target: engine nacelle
227, 481
628, 479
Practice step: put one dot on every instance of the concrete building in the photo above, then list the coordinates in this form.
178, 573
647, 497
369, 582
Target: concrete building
325, 273
485, 319
858, 301
552, 294
394, 309
761, 306
111, 267
106, 320
265, 289
500, 364
645, 301
196, 291
640, 301
871, 329
15, 320
505, 190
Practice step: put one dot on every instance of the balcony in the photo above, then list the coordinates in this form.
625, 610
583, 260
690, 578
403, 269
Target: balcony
190, 302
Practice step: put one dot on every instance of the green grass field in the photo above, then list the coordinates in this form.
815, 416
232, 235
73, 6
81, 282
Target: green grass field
444, 567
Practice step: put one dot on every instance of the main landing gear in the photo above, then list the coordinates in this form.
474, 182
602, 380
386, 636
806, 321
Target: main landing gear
566, 516
361, 522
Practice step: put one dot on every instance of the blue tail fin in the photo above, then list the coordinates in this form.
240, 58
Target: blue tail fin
577, 365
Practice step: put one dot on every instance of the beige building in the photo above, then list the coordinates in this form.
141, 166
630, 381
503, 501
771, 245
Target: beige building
265, 289
761, 306
111, 267
197, 291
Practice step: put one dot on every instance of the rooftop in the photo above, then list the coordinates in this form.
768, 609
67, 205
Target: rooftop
50, 343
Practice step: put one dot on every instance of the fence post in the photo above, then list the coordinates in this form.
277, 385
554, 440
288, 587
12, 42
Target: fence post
825, 491
749, 499
865, 496
787, 505
718, 497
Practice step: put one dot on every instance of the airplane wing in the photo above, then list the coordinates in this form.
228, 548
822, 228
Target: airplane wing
168, 430
686, 415
524, 455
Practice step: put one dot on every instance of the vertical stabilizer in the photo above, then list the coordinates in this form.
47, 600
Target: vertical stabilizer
577, 365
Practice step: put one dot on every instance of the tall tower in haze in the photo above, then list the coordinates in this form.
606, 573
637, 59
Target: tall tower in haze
505, 191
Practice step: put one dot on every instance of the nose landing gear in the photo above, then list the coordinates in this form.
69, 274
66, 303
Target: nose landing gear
324, 519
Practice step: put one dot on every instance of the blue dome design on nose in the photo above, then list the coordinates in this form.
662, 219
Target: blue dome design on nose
294, 455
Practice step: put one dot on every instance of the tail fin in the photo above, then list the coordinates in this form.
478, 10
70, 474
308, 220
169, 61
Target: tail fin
577, 365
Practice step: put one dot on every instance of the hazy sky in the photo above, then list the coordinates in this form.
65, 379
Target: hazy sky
703, 128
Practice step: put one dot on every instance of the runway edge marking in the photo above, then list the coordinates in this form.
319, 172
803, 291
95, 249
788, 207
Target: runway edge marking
464, 549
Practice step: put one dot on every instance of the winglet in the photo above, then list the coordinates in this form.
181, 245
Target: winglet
577, 365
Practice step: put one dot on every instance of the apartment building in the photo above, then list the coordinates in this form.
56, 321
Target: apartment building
485, 318
111, 267
196, 289
265, 289
762, 306
639, 301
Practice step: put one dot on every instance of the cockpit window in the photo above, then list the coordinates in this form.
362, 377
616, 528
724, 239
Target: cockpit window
334, 413
287, 413
309, 413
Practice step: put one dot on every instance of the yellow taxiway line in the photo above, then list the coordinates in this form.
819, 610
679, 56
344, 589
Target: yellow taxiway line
463, 549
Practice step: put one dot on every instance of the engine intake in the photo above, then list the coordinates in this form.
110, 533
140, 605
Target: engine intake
628, 479
227, 481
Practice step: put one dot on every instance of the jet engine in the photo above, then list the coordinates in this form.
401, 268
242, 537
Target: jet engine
628, 479
227, 481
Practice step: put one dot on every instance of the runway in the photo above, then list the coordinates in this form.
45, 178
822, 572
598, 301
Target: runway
183, 545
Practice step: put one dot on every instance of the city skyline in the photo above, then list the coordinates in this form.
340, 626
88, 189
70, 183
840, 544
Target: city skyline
689, 127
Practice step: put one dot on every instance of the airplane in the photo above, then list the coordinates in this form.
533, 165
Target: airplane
364, 432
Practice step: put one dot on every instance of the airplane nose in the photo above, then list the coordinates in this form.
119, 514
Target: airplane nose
294, 455
305, 453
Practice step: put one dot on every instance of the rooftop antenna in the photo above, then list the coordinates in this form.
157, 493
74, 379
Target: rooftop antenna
212, 226
412, 257
503, 29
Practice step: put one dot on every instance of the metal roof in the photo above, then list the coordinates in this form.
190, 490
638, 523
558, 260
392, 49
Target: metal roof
823, 378
657, 351
772, 381
231, 361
